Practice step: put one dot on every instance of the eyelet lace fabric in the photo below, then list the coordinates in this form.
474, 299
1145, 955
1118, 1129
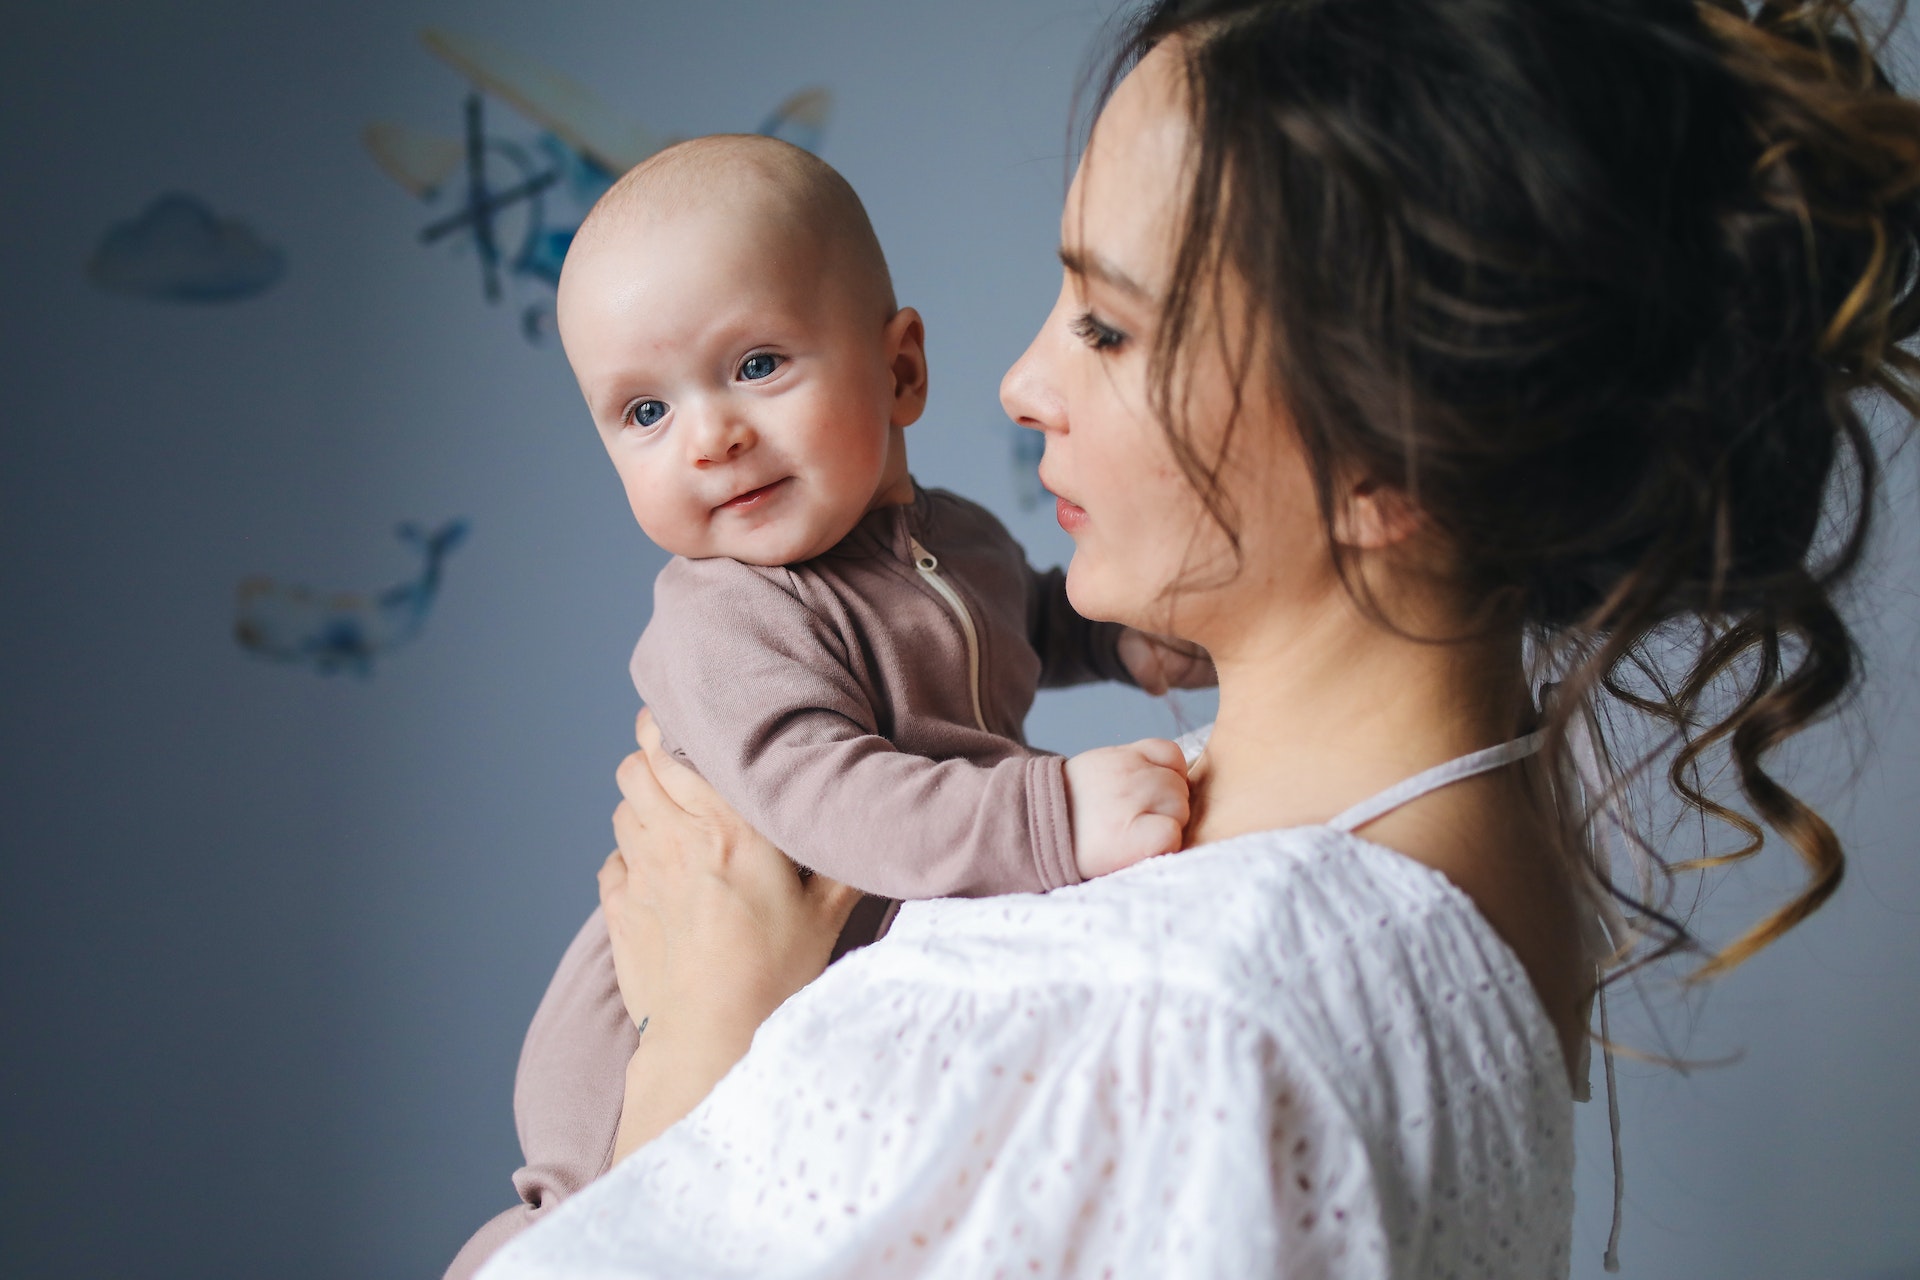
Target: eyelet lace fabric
1292, 1053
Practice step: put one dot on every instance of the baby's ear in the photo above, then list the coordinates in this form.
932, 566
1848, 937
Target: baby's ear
905, 343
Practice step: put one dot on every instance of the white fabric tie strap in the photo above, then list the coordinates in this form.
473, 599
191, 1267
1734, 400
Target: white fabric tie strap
1612, 829
1431, 780
1598, 789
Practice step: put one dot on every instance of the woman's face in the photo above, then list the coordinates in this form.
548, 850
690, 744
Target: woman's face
1145, 550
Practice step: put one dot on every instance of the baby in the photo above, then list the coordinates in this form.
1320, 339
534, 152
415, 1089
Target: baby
848, 658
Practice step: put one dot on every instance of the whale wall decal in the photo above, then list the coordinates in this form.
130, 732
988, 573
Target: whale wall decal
343, 631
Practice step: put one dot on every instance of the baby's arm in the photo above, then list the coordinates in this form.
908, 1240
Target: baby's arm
1129, 803
761, 695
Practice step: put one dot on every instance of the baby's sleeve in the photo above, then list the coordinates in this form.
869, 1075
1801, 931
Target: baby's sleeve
1072, 649
759, 693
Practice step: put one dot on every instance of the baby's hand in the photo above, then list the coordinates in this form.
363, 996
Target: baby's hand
1160, 663
1127, 803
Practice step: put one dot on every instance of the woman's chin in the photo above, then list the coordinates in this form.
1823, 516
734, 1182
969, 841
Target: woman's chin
1144, 601
1094, 595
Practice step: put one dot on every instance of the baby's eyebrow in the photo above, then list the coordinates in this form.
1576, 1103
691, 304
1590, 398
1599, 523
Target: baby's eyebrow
1098, 268
614, 401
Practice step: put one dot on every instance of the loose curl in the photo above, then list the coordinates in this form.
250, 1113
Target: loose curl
1595, 283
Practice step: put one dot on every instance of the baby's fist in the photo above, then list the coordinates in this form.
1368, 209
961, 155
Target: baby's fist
1127, 803
1160, 663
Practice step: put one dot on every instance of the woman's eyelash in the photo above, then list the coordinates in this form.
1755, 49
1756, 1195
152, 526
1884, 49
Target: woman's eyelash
1096, 335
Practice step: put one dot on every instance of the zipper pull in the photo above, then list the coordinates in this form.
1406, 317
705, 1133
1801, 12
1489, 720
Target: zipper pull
922, 558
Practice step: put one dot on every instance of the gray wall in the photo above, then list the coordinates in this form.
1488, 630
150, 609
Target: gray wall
270, 938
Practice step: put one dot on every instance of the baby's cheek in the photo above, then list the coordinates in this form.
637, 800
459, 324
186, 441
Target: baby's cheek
668, 528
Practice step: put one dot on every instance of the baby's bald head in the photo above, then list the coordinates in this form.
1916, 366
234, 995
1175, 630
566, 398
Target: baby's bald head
728, 315
800, 201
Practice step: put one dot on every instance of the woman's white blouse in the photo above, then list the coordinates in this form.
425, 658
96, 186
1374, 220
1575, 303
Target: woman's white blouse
1292, 1053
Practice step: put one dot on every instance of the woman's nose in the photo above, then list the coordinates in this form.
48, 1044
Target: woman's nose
1029, 393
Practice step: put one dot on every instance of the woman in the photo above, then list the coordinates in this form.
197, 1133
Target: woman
1413, 357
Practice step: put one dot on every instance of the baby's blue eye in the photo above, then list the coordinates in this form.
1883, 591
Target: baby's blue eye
647, 412
756, 367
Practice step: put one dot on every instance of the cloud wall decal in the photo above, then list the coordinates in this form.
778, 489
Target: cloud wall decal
179, 250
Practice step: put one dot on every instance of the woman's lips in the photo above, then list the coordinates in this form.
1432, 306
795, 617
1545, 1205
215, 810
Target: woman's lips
752, 497
1071, 518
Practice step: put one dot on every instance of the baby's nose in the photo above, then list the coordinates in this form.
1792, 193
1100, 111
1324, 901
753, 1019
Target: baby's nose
721, 440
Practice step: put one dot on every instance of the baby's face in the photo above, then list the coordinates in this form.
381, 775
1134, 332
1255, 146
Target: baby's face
747, 402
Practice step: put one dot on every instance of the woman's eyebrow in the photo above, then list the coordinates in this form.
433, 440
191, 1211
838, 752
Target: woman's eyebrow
1093, 266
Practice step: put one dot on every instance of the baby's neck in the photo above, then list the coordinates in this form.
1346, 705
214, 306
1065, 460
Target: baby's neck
896, 482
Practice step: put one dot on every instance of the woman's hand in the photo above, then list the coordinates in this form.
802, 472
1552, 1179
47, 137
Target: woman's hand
711, 929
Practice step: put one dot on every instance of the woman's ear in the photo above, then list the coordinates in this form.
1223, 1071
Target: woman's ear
1371, 515
905, 342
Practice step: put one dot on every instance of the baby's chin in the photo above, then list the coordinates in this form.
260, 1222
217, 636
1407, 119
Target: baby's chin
778, 544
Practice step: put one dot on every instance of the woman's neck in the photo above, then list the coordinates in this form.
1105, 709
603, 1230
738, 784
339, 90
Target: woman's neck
1318, 715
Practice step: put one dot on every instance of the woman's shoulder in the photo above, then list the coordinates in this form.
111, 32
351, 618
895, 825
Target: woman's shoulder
1269, 919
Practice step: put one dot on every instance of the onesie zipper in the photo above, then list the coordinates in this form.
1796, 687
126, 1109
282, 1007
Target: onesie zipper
929, 569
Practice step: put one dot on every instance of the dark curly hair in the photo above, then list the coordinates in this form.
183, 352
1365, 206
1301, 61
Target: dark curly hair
1595, 283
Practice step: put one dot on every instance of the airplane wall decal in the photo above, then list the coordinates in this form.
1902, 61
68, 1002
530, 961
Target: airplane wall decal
518, 203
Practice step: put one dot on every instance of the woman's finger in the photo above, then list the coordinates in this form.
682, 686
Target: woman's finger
639, 784
689, 790
639, 858
633, 934
836, 901
612, 875
624, 886
614, 884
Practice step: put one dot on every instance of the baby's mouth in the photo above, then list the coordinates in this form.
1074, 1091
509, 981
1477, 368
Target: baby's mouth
752, 497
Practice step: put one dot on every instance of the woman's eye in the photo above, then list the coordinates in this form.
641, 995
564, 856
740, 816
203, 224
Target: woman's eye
647, 412
1096, 335
756, 367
